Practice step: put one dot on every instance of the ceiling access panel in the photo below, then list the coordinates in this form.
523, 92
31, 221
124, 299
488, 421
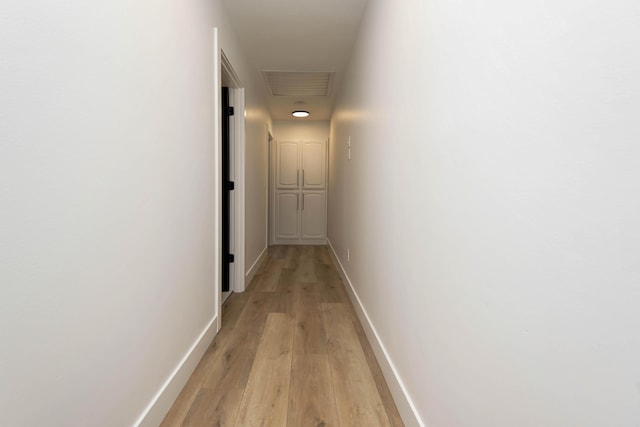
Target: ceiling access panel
299, 83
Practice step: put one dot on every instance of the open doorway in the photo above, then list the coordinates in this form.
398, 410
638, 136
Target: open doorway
228, 188
232, 180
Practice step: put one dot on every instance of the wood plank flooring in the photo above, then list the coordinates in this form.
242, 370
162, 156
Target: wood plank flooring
291, 353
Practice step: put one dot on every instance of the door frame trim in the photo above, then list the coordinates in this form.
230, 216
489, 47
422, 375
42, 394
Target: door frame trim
237, 134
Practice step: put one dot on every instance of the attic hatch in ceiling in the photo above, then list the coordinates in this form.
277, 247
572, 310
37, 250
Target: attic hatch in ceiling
298, 83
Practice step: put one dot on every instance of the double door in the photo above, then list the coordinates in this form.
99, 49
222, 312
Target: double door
300, 193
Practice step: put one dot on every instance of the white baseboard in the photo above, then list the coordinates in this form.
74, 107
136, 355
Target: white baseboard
306, 242
159, 406
401, 397
255, 266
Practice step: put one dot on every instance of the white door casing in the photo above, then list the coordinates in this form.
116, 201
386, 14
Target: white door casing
237, 169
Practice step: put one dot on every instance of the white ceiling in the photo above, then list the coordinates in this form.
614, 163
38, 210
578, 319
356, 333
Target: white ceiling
298, 35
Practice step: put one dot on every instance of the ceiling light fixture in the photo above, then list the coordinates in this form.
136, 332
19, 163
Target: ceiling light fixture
300, 113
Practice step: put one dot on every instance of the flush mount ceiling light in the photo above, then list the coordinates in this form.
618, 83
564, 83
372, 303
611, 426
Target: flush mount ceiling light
300, 113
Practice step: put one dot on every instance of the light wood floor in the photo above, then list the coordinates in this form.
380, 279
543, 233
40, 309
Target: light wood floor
291, 352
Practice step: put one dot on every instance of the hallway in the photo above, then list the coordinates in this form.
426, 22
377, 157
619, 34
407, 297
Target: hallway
291, 351
480, 198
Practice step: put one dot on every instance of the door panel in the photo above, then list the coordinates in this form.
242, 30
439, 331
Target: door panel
287, 218
314, 154
313, 207
287, 168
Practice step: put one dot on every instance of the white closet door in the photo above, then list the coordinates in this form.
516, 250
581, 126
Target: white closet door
314, 157
288, 171
314, 222
287, 217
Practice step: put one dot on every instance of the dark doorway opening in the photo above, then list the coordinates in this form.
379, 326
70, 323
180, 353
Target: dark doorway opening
227, 188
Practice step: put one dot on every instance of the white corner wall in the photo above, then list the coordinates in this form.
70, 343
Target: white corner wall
107, 204
257, 124
491, 207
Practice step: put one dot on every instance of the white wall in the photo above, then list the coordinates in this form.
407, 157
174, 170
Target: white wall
258, 121
256, 191
491, 206
317, 130
107, 202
